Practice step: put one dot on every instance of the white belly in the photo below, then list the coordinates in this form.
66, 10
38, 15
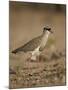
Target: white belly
35, 53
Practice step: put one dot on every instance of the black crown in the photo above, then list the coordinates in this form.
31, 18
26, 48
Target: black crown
47, 28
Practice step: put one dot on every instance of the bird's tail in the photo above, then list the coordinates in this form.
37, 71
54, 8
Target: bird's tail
15, 51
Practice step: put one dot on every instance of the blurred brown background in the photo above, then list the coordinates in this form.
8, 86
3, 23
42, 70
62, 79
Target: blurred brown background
26, 21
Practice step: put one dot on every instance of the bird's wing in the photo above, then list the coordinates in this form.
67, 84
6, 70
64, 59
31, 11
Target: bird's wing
29, 46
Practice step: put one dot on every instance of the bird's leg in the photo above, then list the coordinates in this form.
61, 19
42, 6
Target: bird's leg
33, 57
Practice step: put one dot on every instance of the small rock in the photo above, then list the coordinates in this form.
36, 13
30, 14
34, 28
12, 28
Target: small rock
30, 74
12, 71
55, 55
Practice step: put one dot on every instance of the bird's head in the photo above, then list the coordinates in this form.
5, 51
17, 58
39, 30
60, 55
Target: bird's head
47, 29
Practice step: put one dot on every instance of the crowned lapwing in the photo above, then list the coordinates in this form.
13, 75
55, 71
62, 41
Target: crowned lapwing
36, 45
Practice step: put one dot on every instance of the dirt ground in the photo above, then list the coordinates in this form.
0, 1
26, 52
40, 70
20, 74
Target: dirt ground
26, 22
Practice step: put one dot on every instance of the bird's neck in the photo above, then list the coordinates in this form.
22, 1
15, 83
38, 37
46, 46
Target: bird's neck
45, 38
46, 34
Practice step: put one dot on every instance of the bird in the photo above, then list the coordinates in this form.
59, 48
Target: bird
36, 45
